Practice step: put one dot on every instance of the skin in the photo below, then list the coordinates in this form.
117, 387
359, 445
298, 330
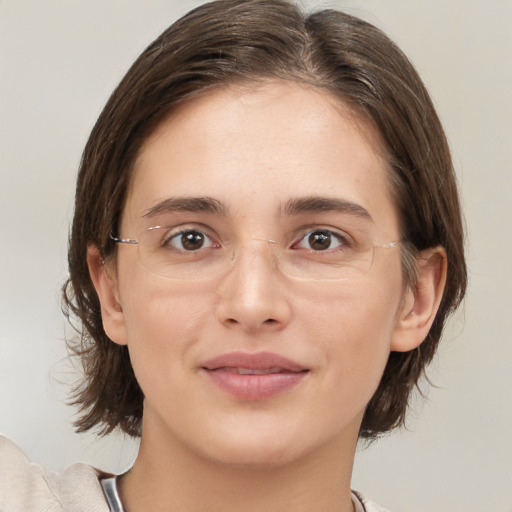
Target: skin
253, 150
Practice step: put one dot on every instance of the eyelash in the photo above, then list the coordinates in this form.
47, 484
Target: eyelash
343, 240
167, 240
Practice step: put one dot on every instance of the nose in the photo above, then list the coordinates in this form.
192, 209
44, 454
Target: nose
254, 296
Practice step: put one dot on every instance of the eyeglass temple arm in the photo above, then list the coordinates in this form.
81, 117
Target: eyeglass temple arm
123, 240
389, 244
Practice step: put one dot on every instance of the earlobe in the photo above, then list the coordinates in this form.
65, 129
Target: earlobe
421, 303
105, 285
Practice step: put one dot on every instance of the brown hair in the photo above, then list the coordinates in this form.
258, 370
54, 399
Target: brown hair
230, 41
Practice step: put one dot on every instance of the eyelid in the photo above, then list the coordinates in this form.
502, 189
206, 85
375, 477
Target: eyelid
184, 227
345, 239
176, 234
295, 237
173, 232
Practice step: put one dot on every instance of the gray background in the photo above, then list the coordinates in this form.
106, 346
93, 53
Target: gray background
59, 62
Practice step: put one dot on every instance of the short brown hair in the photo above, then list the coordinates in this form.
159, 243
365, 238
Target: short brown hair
233, 41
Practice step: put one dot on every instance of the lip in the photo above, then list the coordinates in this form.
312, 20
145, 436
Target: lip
274, 374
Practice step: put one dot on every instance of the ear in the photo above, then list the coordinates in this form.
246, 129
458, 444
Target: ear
420, 304
105, 282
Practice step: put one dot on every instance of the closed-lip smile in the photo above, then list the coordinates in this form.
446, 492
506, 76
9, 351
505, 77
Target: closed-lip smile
253, 376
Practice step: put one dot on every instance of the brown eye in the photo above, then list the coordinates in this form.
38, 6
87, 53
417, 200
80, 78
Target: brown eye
189, 240
320, 240
192, 240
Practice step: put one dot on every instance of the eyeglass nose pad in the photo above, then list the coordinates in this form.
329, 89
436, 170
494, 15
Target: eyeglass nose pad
264, 240
268, 241
234, 253
272, 245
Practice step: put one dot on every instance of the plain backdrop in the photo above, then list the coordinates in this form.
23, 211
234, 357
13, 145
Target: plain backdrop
60, 59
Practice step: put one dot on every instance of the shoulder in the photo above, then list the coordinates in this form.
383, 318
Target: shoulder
30, 487
363, 504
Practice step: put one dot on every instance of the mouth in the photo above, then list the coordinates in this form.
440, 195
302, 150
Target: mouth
251, 371
264, 362
254, 377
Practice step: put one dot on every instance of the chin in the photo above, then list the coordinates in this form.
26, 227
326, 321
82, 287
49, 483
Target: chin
252, 456
264, 447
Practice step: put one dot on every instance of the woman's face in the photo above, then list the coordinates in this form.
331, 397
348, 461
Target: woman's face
256, 364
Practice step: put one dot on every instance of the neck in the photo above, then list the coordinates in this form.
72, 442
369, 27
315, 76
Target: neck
167, 477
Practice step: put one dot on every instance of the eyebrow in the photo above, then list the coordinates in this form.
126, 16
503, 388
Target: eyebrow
299, 206
186, 204
316, 204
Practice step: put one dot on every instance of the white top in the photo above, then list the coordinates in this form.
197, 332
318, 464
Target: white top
28, 487
114, 502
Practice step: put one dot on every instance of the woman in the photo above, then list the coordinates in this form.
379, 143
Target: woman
266, 244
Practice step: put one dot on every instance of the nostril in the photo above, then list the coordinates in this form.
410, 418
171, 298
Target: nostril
269, 321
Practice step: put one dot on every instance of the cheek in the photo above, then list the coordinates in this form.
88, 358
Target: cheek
355, 312
163, 323
353, 329
155, 309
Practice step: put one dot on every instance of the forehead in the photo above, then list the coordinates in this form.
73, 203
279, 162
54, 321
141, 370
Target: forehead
257, 148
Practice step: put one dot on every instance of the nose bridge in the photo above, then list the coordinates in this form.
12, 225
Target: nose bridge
254, 263
253, 252
258, 247
252, 293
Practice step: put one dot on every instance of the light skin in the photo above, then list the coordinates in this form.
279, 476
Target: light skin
255, 152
